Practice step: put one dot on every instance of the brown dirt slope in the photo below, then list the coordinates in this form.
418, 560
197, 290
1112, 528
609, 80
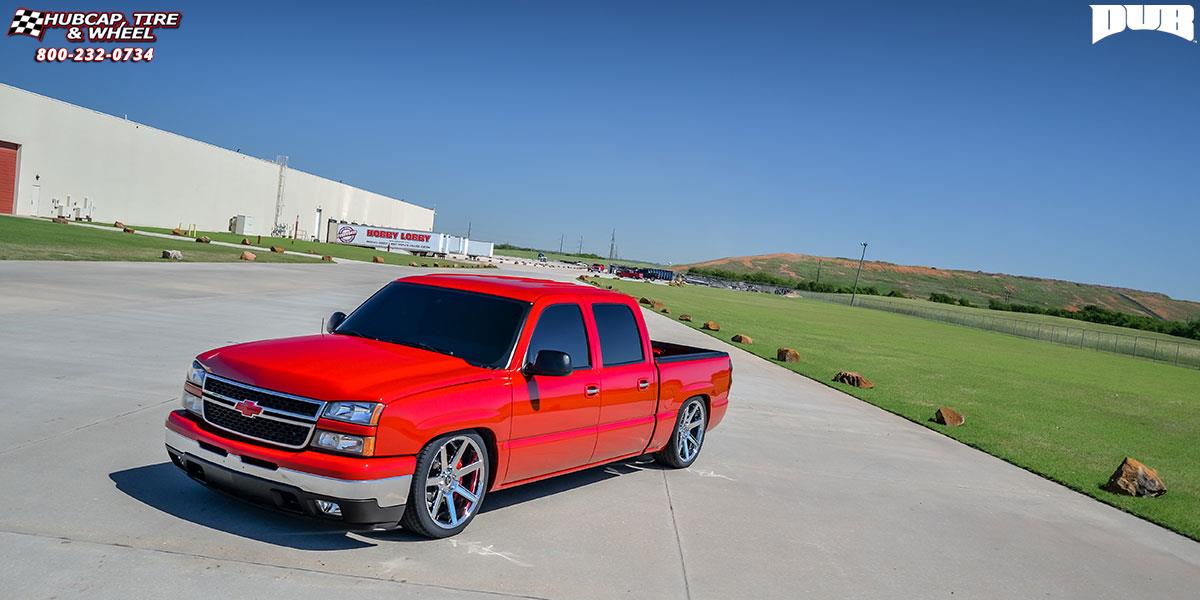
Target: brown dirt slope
976, 286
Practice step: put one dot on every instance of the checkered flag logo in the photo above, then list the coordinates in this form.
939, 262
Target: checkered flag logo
28, 22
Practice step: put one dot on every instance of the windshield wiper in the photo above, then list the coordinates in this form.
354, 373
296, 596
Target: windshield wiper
424, 346
353, 333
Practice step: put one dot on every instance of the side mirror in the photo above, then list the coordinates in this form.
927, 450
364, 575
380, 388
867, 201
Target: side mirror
334, 320
551, 363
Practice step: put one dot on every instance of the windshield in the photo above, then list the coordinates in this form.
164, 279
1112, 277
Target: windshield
477, 328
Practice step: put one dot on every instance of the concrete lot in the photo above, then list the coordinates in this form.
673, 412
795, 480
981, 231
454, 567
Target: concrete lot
802, 492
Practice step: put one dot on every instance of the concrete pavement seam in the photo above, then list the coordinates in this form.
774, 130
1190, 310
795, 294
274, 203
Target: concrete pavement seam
271, 566
687, 590
82, 427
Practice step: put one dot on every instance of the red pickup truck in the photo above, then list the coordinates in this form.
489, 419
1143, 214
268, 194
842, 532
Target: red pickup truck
436, 390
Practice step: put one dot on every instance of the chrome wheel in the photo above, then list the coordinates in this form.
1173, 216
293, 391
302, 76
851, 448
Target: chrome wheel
455, 482
690, 431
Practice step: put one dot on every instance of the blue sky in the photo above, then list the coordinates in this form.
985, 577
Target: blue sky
988, 136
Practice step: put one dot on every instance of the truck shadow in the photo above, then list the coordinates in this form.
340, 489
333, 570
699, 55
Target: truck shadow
164, 487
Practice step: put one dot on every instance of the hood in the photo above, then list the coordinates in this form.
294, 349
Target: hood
340, 367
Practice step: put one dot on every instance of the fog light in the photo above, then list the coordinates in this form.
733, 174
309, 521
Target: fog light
329, 508
193, 404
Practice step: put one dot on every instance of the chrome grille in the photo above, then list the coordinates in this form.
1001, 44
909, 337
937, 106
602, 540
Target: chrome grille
284, 420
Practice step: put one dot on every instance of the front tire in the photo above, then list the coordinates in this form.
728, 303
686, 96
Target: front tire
448, 485
688, 437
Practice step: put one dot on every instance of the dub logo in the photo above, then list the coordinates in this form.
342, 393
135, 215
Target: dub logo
346, 234
1173, 19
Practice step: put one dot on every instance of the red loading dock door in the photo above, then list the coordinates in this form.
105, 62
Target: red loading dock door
8, 177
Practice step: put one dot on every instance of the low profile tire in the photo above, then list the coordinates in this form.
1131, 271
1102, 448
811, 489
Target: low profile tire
688, 437
448, 485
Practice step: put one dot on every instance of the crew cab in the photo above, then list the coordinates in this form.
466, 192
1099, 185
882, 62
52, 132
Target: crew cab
436, 390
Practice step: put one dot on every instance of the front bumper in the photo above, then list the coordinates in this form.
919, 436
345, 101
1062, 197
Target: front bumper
364, 503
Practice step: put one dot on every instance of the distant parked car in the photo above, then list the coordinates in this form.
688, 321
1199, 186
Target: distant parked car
541, 257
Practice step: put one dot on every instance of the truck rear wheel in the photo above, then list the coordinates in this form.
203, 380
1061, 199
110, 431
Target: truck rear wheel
448, 485
688, 436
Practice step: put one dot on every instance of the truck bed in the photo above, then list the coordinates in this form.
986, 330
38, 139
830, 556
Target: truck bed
666, 352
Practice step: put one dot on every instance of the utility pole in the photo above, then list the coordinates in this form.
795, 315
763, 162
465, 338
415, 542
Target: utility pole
818, 271
854, 293
581, 244
282, 161
468, 230
560, 242
612, 246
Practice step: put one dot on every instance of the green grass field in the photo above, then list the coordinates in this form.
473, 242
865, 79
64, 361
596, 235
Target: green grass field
1070, 415
323, 248
36, 239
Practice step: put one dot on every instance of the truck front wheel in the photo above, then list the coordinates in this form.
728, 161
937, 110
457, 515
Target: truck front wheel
448, 485
688, 436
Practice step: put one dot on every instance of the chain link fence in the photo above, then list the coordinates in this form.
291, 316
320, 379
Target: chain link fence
1181, 353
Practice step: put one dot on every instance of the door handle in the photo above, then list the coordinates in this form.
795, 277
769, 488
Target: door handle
591, 390
643, 384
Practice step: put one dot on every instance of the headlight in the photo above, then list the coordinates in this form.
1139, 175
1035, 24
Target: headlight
193, 404
344, 442
196, 374
361, 413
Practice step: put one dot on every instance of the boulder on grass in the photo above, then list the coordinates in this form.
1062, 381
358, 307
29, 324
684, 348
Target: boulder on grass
172, 254
854, 379
645, 300
377, 259
656, 304
118, 225
245, 242
247, 255
787, 355
948, 416
413, 264
711, 326
204, 239
1133, 478
60, 220
327, 258
685, 317
128, 230
742, 338
664, 310
177, 231
277, 249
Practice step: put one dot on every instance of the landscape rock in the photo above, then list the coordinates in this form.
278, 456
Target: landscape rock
128, 230
656, 305
172, 254
327, 258
60, 220
685, 317
177, 231
118, 225
711, 326
645, 300
948, 416
787, 355
413, 264
854, 379
277, 249
742, 339
1133, 478
247, 255
377, 259
204, 239
245, 242
665, 311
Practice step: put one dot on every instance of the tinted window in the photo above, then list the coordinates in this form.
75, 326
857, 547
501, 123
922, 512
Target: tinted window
561, 328
620, 338
477, 328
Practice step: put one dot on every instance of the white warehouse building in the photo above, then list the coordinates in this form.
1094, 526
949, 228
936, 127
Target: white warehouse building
58, 159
